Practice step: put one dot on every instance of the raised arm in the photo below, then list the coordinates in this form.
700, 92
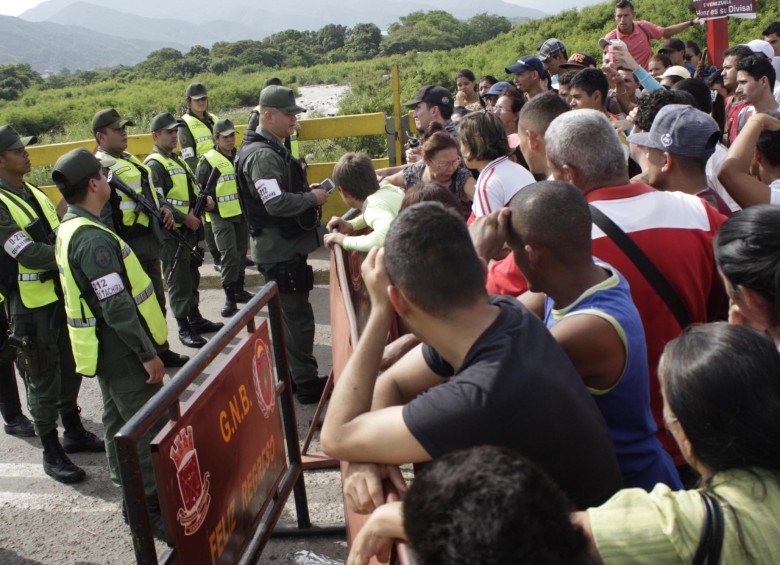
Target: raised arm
352, 432
673, 30
735, 175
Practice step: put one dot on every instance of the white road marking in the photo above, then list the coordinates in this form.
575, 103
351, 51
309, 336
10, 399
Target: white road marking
35, 471
69, 503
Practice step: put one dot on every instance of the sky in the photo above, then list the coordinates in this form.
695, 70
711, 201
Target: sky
16, 7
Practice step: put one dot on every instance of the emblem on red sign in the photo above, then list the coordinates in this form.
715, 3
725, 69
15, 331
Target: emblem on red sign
193, 487
263, 378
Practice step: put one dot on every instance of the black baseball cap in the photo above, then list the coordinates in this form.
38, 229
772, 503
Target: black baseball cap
672, 44
432, 94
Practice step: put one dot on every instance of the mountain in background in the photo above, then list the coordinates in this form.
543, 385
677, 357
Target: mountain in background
81, 35
131, 26
261, 21
49, 47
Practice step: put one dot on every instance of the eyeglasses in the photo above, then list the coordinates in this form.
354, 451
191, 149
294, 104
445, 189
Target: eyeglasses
447, 164
498, 109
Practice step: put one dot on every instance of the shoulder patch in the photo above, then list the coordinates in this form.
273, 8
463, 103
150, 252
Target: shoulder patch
107, 286
102, 256
5, 216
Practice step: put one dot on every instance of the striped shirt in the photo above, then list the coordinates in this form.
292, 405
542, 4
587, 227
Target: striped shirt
636, 527
498, 182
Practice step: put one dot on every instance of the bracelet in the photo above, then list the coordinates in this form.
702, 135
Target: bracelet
691, 21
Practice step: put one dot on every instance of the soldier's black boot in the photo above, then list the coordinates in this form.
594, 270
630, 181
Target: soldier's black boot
242, 296
172, 359
188, 336
56, 463
200, 324
76, 438
230, 307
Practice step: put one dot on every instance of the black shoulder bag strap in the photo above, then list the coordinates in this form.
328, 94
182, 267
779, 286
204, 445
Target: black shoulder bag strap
643, 263
712, 537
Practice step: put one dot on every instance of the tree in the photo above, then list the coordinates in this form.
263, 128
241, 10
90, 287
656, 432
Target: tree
15, 79
425, 31
362, 42
331, 37
483, 27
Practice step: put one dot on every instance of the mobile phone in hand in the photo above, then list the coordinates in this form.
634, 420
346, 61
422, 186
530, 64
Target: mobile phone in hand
327, 185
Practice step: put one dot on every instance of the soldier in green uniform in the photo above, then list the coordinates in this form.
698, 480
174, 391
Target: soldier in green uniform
174, 177
227, 219
283, 216
121, 213
109, 301
195, 140
28, 224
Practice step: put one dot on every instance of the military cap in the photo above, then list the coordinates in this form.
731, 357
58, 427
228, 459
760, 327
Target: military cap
10, 139
224, 127
76, 165
109, 118
281, 98
165, 121
196, 91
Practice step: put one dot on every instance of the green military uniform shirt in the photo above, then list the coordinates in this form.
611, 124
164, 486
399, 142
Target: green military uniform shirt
37, 255
95, 254
162, 180
270, 246
186, 141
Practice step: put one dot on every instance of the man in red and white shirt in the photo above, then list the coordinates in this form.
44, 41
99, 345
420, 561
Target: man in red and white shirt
675, 231
637, 34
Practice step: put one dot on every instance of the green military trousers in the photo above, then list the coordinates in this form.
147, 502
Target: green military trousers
46, 365
232, 237
124, 389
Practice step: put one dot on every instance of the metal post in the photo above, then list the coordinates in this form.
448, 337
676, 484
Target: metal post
717, 40
397, 115
288, 409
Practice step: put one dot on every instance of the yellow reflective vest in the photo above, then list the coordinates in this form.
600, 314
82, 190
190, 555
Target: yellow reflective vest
179, 194
36, 287
132, 171
82, 323
201, 133
227, 201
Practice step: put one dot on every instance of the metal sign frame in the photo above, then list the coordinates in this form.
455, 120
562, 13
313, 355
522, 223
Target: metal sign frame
168, 400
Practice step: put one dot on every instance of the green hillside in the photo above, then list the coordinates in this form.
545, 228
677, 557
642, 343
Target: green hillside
60, 108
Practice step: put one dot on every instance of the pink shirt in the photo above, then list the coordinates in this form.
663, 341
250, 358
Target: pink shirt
638, 41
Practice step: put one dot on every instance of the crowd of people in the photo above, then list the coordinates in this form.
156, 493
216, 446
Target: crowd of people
615, 217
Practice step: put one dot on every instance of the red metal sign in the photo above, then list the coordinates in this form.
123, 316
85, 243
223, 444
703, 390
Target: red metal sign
220, 463
714, 9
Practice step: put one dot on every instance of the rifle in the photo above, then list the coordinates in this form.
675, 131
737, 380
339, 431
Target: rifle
198, 211
143, 204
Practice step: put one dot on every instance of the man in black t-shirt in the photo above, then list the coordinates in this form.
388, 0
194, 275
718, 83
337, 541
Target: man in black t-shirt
487, 373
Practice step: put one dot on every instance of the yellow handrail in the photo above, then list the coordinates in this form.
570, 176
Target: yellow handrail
311, 129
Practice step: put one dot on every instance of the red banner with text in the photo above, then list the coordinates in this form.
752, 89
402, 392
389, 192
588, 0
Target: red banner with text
218, 466
717, 9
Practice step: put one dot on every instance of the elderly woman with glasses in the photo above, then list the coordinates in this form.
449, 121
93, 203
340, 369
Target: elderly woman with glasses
442, 165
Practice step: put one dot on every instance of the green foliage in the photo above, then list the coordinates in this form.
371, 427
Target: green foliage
15, 79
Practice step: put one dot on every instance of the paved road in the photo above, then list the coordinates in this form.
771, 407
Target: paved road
45, 522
